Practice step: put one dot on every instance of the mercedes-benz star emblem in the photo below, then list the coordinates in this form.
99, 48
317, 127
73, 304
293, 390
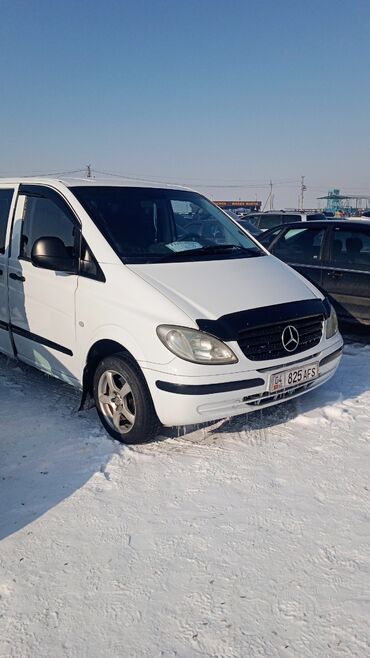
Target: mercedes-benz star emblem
290, 338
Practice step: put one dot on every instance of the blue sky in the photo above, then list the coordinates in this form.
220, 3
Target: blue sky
205, 92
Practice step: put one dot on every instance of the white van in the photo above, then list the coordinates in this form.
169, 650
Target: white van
154, 303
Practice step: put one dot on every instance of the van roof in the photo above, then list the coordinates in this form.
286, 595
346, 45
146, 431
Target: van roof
74, 182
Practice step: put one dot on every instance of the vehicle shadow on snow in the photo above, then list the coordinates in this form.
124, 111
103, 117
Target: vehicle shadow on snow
47, 449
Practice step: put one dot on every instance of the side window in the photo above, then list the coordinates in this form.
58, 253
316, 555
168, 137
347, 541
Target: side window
89, 267
5, 203
316, 216
47, 217
287, 219
300, 245
351, 249
269, 221
268, 237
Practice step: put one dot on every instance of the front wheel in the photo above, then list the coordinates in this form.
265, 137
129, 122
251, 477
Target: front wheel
123, 400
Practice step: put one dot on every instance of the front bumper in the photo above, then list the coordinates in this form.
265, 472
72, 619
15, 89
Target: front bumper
188, 400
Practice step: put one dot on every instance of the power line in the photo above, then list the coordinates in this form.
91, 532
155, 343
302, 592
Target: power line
204, 181
198, 183
50, 173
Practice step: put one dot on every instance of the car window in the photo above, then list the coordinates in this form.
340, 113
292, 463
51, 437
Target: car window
254, 219
316, 216
288, 219
300, 245
351, 249
267, 238
269, 221
5, 203
145, 225
44, 217
248, 226
193, 221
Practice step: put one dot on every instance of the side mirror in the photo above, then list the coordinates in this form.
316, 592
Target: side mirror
52, 254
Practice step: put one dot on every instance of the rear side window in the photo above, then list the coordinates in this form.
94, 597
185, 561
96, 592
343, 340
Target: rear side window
300, 245
46, 217
351, 249
316, 216
269, 221
287, 219
5, 203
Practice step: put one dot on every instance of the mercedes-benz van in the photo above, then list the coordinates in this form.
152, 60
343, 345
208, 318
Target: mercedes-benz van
154, 303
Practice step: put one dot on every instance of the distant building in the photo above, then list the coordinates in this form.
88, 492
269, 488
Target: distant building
236, 205
350, 204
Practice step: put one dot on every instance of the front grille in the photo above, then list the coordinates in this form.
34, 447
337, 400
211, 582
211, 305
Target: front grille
265, 342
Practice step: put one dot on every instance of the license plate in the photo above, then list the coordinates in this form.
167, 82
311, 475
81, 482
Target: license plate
294, 377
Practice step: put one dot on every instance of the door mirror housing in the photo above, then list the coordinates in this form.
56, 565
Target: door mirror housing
52, 254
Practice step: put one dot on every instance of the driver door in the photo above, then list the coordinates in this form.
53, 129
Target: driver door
42, 301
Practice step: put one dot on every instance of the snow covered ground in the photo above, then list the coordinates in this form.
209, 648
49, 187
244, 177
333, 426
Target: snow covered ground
246, 538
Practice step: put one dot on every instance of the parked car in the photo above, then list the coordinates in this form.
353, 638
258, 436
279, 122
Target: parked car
154, 303
267, 220
335, 256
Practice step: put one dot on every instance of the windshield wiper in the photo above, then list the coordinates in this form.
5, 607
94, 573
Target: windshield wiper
215, 248
191, 253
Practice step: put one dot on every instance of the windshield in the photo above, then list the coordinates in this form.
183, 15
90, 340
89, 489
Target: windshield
249, 227
149, 225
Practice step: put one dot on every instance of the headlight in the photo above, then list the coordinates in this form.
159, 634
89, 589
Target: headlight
331, 324
194, 345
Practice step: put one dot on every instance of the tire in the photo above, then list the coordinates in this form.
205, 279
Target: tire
123, 400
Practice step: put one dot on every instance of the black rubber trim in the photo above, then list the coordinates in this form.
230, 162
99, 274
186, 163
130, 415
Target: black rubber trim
39, 339
228, 326
205, 389
331, 357
4, 325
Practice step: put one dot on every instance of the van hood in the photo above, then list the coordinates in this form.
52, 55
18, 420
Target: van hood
213, 288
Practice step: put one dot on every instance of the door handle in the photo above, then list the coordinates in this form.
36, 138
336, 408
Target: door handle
17, 277
335, 274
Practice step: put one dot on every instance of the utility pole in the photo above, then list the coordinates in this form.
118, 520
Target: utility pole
271, 197
303, 189
88, 171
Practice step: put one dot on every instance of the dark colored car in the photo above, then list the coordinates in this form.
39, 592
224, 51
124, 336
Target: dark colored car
334, 255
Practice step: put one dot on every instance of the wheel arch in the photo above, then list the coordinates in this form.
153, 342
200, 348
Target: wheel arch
98, 351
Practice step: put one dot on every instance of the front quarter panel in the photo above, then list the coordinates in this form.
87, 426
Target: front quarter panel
127, 310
